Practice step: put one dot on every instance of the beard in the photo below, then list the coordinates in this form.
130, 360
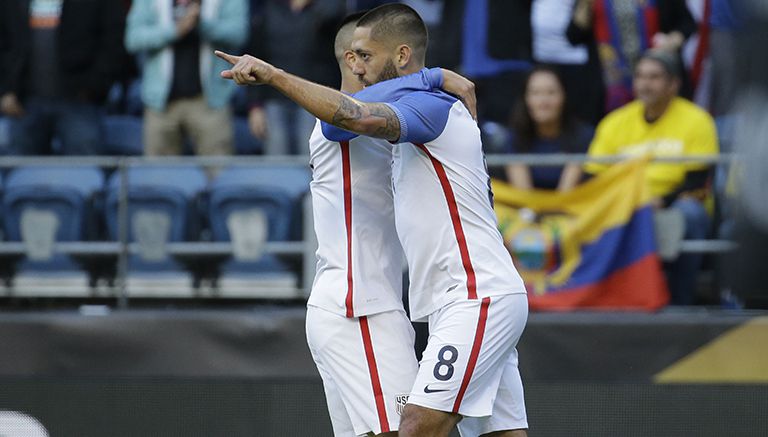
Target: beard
389, 71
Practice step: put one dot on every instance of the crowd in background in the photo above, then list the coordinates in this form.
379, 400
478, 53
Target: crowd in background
602, 77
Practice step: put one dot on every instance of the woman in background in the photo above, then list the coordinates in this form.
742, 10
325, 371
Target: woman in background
543, 123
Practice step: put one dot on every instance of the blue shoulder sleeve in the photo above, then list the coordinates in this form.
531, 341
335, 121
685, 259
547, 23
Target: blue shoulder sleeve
389, 91
422, 115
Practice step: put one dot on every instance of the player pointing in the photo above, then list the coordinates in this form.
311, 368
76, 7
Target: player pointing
357, 330
462, 278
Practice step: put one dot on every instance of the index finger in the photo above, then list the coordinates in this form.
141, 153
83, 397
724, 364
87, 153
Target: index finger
232, 59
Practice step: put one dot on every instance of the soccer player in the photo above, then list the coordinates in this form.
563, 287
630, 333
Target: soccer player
462, 278
357, 330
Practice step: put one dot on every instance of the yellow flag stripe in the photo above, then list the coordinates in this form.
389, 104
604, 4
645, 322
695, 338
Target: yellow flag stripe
606, 201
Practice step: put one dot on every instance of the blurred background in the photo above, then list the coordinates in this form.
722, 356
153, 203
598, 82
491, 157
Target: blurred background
156, 241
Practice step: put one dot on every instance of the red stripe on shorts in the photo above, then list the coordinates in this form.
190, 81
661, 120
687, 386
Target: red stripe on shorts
458, 230
346, 170
479, 332
373, 370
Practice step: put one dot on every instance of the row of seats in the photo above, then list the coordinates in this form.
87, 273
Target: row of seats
42, 204
123, 136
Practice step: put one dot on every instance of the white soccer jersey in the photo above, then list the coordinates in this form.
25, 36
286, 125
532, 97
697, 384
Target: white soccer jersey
359, 258
443, 202
443, 207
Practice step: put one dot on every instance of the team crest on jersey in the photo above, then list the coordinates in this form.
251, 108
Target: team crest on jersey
400, 401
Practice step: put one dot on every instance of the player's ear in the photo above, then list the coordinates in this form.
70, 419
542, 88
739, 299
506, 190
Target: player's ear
349, 59
404, 54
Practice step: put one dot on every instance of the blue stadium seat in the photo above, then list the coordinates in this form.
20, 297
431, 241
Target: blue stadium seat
65, 191
45, 204
161, 209
168, 190
245, 143
123, 135
276, 192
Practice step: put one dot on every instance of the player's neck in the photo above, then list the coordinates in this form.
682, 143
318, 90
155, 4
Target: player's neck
350, 85
411, 68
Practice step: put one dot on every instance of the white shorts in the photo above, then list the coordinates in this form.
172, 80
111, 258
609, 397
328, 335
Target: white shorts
368, 366
470, 364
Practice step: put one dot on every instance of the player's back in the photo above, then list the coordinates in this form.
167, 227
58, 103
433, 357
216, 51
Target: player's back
443, 207
359, 258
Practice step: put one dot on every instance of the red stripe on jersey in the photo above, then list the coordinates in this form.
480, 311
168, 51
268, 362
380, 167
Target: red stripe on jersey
347, 177
373, 370
479, 332
458, 230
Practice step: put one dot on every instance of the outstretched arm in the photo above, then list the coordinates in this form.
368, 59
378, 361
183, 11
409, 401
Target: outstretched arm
370, 119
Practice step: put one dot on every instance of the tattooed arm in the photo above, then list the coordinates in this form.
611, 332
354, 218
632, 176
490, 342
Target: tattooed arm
370, 119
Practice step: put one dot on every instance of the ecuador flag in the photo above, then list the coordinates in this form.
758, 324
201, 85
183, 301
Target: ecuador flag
593, 247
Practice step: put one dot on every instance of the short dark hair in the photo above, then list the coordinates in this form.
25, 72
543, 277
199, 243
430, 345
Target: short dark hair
344, 33
400, 23
354, 17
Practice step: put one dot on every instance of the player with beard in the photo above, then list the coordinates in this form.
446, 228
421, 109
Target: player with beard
462, 278
358, 333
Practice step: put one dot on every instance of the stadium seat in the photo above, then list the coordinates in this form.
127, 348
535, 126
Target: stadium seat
161, 209
250, 205
123, 135
63, 191
42, 205
165, 190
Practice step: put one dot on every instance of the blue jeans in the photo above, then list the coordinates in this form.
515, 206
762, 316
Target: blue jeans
682, 273
76, 126
289, 128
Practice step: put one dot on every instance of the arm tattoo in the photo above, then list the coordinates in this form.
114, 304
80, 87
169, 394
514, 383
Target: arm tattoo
381, 118
349, 110
390, 129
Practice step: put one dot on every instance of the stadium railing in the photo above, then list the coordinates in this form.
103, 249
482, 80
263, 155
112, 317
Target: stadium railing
303, 249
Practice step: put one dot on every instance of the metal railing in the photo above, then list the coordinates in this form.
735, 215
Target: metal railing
305, 249
122, 249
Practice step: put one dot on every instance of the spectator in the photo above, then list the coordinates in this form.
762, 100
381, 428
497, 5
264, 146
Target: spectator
181, 88
578, 64
726, 23
297, 35
544, 123
623, 30
58, 59
491, 42
662, 125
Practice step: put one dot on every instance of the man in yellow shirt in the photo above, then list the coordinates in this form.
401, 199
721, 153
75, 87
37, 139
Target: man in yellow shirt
660, 124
